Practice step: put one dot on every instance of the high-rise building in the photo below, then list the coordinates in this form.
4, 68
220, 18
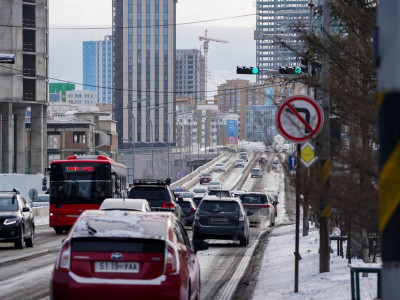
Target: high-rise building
144, 43
235, 95
260, 123
190, 74
278, 18
24, 85
97, 68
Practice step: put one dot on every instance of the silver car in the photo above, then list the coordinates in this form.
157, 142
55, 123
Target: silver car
214, 185
219, 167
256, 172
125, 204
261, 204
239, 163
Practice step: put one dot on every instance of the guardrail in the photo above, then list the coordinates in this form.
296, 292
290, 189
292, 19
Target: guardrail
197, 171
40, 212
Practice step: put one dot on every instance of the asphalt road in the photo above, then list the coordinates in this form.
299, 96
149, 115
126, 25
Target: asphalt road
26, 273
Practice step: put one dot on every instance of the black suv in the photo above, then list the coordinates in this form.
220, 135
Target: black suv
157, 193
16, 220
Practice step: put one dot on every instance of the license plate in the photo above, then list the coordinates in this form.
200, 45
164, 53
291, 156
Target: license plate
219, 219
116, 267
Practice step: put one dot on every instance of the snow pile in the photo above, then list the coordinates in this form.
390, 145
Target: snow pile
276, 278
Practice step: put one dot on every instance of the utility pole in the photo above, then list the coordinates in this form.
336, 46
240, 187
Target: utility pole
324, 254
388, 59
306, 205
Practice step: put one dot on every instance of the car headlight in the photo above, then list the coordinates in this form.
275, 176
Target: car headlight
10, 221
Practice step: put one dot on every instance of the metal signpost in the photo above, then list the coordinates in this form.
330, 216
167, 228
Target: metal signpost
298, 119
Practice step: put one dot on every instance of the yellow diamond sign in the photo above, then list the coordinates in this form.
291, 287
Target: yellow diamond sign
307, 154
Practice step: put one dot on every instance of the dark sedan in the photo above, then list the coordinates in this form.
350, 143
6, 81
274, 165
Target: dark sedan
16, 220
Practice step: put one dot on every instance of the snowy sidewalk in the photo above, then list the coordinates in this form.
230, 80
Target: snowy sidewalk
276, 277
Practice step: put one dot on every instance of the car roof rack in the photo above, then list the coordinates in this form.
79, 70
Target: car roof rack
14, 190
149, 182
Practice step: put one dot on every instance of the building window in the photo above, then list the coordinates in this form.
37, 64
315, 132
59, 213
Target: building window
29, 40
53, 141
29, 89
79, 137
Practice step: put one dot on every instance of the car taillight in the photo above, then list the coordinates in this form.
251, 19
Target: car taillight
192, 210
64, 259
171, 260
241, 217
168, 205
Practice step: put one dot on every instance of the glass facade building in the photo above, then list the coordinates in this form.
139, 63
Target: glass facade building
97, 68
190, 80
278, 18
144, 42
260, 123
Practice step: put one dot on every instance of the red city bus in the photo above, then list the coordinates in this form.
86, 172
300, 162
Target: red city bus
82, 182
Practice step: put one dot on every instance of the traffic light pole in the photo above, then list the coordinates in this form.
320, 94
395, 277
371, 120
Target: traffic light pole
388, 58
324, 219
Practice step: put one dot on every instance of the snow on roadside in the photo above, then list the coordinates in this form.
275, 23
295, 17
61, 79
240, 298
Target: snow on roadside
276, 277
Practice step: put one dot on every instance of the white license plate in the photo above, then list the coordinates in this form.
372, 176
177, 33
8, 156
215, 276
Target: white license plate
219, 219
116, 267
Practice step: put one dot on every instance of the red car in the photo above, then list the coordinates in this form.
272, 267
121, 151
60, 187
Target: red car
205, 178
123, 254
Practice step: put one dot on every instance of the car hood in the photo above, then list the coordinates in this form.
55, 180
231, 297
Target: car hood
8, 214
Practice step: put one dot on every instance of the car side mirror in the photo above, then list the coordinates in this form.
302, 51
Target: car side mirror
250, 213
199, 245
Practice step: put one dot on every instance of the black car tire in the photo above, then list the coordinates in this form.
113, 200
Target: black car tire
58, 229
20, 243
30, 241
243, 242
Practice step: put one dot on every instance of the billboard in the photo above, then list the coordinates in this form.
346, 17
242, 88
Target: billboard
232, 134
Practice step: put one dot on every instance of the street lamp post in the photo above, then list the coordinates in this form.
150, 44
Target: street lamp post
168, 143
152, 138
133, 144
152, 147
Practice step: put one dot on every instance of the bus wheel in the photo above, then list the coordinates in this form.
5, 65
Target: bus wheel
58, 229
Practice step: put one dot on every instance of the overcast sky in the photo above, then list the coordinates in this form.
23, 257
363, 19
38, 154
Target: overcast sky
66, 44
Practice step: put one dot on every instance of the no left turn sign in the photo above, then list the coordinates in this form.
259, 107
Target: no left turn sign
299, 118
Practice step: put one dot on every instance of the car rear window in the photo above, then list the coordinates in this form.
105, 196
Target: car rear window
114, 244
220, 193
219, 206
253, 199
205, 175
149, 193
185, 204
186, 195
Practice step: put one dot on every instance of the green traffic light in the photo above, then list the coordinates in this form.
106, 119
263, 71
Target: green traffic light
255, 70
297, 70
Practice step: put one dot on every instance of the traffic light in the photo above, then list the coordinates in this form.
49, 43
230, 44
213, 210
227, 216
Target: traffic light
247, 70
297, 70
287, 70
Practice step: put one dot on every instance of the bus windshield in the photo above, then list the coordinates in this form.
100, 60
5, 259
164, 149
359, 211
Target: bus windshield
76, 183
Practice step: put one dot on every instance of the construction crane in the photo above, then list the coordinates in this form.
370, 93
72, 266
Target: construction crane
206, 40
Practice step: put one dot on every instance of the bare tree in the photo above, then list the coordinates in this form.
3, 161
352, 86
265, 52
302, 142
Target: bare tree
353, 190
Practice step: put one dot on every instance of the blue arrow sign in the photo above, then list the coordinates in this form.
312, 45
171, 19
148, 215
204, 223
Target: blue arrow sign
292, 162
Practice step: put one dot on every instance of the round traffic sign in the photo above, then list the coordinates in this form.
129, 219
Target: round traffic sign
299, 118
